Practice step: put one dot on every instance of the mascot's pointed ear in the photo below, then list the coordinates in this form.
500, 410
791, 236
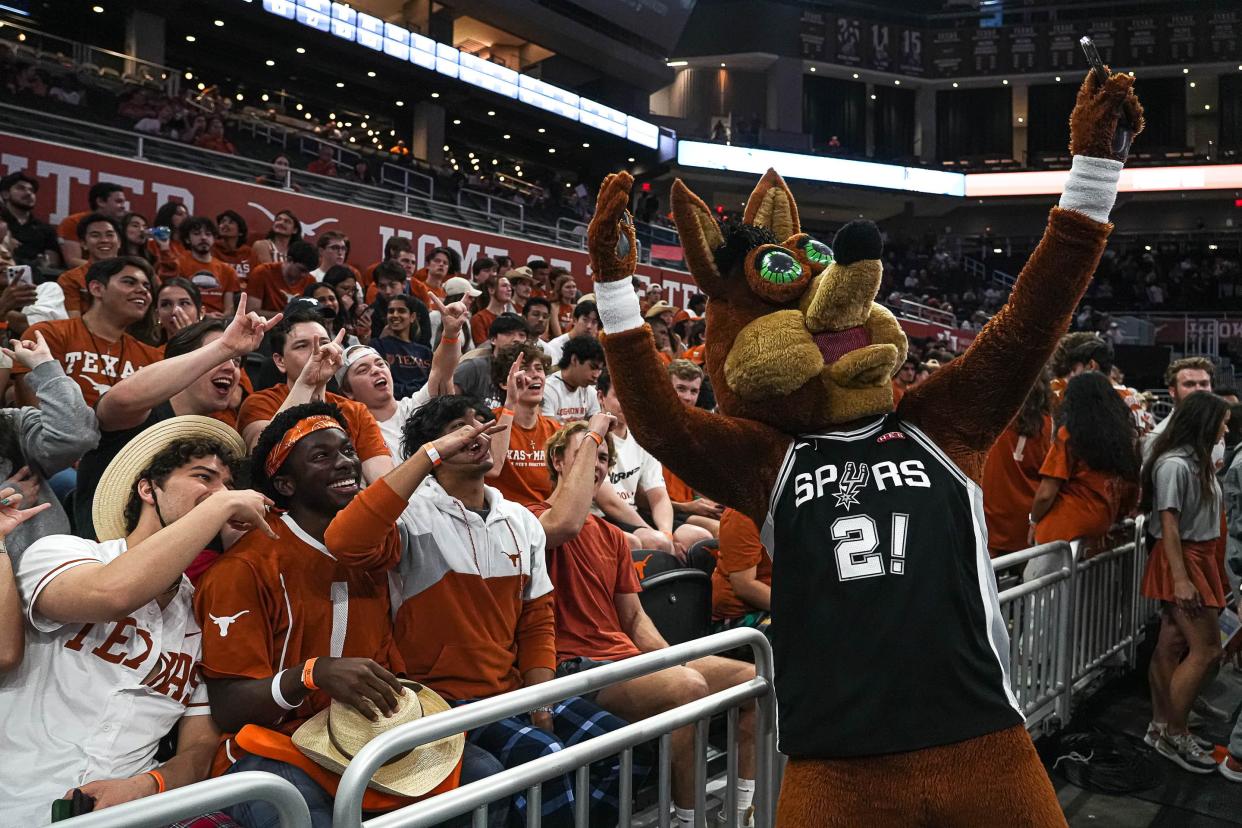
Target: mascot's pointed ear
700, 236
771, 205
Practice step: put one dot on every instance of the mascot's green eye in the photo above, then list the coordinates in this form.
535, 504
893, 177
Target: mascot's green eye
779, 268
817, 252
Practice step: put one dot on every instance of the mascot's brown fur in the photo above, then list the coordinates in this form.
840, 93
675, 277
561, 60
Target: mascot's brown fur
796, 345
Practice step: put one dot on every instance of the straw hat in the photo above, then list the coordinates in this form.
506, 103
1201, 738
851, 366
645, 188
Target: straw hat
117, 481
659, 308
519, 274
334, 735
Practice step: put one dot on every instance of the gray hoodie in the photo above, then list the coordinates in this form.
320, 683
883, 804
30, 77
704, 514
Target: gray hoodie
50, 438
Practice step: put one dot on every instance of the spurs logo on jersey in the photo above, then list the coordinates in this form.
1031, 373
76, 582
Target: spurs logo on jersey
879, 549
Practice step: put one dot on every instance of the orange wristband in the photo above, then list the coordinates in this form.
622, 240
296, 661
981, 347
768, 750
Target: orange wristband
159, 780
308, 678
505, 411
452, 340
433, 455
599, 441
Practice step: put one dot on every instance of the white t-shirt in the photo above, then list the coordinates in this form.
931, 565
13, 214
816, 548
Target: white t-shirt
555, 346
91, 701
562, 403
392, 427
634, 469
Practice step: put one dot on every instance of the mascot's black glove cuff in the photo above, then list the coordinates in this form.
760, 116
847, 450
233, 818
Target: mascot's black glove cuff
1091, 187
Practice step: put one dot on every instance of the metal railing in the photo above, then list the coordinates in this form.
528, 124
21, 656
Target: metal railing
32, 45
411, 182
475, 797
926, 313
203, 798
492, 205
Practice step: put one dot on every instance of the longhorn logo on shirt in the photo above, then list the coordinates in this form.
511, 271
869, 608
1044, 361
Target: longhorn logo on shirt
225, 622
853, 479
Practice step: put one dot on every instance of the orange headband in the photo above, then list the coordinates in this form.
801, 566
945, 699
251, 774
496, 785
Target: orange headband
280, 453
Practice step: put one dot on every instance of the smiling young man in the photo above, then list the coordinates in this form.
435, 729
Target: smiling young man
523, 477
215, 279
94, 349
199, 374
104, 197
466, 554
100, 237
112, 648
308, 358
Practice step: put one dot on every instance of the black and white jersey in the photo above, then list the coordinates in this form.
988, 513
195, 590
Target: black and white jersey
886, 627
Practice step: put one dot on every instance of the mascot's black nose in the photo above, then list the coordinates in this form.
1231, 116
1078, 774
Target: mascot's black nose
856, 241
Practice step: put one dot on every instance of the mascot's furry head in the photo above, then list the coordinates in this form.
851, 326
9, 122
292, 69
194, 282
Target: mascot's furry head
794, 339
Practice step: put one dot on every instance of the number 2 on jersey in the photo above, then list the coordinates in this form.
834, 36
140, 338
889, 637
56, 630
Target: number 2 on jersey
857, 544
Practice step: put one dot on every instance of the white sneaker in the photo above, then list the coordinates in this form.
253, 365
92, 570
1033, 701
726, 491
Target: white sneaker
1183, 750
1155, 730
1231, 769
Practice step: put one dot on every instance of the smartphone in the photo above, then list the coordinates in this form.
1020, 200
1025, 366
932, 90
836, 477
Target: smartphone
20, 273
79, 804
1093, 59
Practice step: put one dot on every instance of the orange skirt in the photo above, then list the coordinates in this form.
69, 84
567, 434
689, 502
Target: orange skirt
1203, 565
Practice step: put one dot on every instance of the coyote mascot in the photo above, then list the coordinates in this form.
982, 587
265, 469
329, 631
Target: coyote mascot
892, 685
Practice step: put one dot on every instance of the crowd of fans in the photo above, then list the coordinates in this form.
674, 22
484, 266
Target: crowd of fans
244, 476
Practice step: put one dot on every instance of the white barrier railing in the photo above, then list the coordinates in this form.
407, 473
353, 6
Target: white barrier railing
203, 798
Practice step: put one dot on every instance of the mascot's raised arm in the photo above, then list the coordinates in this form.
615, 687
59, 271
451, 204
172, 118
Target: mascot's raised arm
892, 682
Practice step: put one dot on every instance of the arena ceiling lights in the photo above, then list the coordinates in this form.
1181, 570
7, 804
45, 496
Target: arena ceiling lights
358, 27
820, 168
1133, 180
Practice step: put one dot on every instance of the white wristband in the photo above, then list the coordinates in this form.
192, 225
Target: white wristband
618, 306
1091, 187
432, 454
279, 697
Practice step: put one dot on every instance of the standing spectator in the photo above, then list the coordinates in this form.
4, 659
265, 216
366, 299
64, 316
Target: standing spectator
904, 380
177, 305
214, 139
274, 247
467, 553
408, 360
233, 244
397, 250
742, 579
1183, 377
274, 284
106, 198
586, 323
457, 289
1183, 498
441, 263
564, 297
36, 240
1011, 471
100, 237
112, 643
325, 162
569, 394
216, 280
473, 377
1089, 479
39, 442
95, 350
497, 294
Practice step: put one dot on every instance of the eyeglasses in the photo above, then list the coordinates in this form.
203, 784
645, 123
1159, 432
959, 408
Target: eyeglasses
338, 248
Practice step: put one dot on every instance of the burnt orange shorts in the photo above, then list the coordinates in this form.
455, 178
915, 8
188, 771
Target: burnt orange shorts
1204, 565
985, 782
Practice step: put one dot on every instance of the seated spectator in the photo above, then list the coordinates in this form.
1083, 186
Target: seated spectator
361, 173
666, 348
100, 237
94, 349
365, 376
398, 250
742, 579
494, 302
280, 177
599, 618
272, 285
390, 281
341, 649
463, 545
104, 197
536, 312
330, 311
1011, 473
36, 240
41, 442
456, 289
687, 379
333, 248
325, 161
484, 270
135, 236
541, 273
473, 377
637, 474
569, 394
177, 305
343, 280
308, 359
442, 262
521, 475
1089, 480
232, 244
523, 284
111, 637
214, 138
23, 304
172, 214
586, 323
564, 297
274, 247
216, 280
408, 360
